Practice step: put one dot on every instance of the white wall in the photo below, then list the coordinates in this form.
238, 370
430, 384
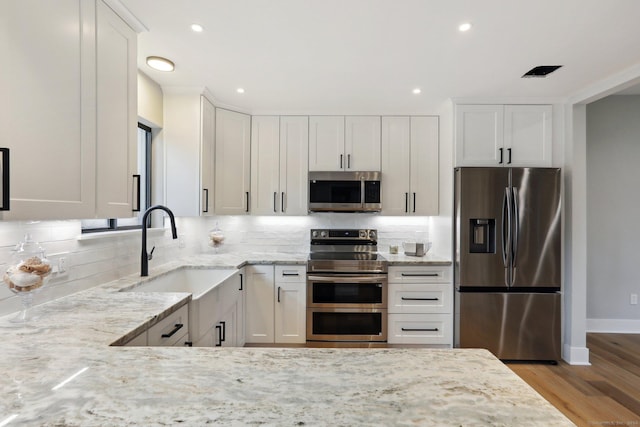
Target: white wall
149, 101
613, 207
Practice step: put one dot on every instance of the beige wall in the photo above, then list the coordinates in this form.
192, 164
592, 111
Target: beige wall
149, 102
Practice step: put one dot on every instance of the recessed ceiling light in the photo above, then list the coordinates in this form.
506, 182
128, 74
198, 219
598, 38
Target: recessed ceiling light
197, 28
240, 90
159, 63
416, 91
465, 26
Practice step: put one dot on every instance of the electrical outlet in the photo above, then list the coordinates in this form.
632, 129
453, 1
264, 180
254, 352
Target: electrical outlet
633, 300
62, 265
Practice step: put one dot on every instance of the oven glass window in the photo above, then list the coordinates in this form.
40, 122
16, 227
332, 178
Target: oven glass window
334, 192
347, 293
329, 323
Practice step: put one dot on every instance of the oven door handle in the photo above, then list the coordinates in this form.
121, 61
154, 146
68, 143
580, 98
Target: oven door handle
347, 279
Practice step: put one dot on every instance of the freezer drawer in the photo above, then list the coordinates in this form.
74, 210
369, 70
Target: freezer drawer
513, 326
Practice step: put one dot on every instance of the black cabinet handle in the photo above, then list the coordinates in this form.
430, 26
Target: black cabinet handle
177, 327
282, 201
501, 159
348, 161
188, 343
509, 158
240, 282
341, 156
419, 299
406, 202
419, 274
247, 194
206, 200
136, 189
224, 331
219, 329
289, 274
414, 202
419, 329
279, 293
275, 201
5, 179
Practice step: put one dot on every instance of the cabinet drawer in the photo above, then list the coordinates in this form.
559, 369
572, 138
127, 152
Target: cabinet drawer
291, 273
420, 274
169, 327
420, 329
181, 342
419, 298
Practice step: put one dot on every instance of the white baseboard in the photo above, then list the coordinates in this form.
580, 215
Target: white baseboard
576, 355
619, 326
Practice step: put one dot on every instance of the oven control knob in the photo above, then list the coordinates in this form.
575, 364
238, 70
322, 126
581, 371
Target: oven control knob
323, 234
372, 234
362, 234
314, 234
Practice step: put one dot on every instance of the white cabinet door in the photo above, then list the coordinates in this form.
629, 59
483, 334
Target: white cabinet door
241, 310
527, 135
167, 331
259, 316
326, 143
265, 165
410, 162
362, 143
479, 135
51, 130
396, 175
424, 166
294, 165
207, 149
290, 304
117, 115
233, 146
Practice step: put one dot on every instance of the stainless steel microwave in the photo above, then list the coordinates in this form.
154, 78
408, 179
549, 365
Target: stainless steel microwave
344, 192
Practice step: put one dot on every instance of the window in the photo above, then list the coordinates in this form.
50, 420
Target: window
144, 170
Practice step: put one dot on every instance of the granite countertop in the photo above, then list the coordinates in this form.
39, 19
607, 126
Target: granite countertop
407, 260
60, 371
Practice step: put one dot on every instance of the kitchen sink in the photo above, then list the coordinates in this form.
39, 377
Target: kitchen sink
190, 280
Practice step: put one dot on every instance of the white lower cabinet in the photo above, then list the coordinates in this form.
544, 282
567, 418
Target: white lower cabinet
170, 330
138, 341
420, 305
276, 304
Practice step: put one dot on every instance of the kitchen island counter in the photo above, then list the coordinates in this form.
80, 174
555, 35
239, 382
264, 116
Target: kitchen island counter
61, 370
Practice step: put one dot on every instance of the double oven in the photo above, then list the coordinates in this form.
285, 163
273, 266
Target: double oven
346, 287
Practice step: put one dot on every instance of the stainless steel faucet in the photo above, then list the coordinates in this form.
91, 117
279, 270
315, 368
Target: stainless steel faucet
144, 260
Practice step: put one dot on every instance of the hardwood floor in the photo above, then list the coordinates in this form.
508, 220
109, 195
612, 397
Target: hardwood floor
607, 393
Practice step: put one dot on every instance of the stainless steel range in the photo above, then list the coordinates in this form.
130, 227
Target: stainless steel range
346, 287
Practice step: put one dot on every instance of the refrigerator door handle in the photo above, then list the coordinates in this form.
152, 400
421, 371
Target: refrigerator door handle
506, 243
516, 229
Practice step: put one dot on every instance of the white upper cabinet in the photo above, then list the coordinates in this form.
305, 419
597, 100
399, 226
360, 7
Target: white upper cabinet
294, 155
117, 116
527, 135
72, 136
207, 150
232, 159
279, 155
338, 143
362, 143
326, 143
265, 165
410, 165
49, 130
503, 135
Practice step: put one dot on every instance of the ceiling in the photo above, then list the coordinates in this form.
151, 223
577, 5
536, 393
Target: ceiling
366, 56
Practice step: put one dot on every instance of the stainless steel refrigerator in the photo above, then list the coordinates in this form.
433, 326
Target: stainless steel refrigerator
507, 261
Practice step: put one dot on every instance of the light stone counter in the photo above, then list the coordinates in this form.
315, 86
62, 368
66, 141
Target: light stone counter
149, 386
428, 259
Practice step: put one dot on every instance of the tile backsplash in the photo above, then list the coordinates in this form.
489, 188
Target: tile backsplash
90, 262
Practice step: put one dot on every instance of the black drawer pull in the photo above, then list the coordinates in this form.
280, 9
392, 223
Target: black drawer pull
419, 299
219, 343
177, 327
224, 331
420, 274
419, 330
240, 282
290, 274
188, 343
5, 179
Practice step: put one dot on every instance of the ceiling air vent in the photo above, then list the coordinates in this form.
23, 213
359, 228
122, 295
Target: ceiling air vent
541, 71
